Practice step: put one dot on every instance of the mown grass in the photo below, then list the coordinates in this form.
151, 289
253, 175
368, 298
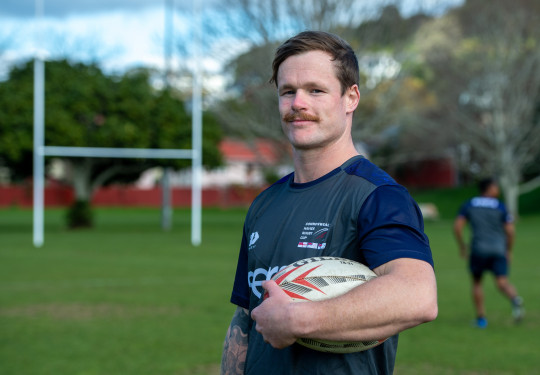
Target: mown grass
123, 298
129, 298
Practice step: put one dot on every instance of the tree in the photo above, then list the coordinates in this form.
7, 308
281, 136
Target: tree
374, 31
396, 99
486, 70
251, 109
269, 21
86, 108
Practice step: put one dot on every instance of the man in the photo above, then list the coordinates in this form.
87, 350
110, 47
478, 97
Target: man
491, 246
365, 214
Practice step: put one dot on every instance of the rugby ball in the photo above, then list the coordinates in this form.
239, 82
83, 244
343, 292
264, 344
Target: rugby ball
320, 278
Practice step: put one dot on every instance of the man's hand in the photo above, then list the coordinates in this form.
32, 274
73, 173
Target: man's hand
273, 317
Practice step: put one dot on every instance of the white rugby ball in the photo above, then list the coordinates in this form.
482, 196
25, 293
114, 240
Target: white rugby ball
320, 278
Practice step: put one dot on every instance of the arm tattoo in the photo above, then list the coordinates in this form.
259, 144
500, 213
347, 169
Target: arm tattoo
236, 344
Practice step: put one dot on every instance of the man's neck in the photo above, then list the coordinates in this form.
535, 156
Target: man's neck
310, 165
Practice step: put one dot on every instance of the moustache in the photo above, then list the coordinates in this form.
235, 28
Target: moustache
296, 116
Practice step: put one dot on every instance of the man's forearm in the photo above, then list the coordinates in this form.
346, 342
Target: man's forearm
510, 233
236, 344
459, 224
381, 308
404, 295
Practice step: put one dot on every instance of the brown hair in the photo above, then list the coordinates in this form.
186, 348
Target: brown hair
341, 52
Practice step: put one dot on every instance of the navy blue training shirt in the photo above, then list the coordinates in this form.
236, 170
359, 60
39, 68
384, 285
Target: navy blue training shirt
487, 217
356, 211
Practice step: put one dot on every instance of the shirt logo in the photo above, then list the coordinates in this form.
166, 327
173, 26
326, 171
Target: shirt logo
252, 239
314, 236
485, 202
256, 278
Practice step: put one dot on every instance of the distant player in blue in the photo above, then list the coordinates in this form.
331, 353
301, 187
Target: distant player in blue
492, 230
336, 203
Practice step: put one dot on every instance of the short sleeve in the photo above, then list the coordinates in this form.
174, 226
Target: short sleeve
390, 226
464, 210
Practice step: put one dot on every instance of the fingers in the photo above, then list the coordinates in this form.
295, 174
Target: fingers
271, 319
269, 287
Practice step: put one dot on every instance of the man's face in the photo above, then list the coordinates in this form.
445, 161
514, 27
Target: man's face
313, 112
493, 190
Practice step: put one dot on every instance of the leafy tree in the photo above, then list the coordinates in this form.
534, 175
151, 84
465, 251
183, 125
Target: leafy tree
85, 107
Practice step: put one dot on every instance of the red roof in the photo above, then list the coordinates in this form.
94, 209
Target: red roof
260, 151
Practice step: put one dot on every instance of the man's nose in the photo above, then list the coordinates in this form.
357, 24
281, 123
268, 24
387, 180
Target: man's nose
299, 101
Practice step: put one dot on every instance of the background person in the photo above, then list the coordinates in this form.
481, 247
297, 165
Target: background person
491, 246
366, 215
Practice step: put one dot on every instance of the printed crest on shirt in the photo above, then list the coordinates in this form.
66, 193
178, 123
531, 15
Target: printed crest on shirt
314, 235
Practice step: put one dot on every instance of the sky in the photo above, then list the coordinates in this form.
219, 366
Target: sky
118, 33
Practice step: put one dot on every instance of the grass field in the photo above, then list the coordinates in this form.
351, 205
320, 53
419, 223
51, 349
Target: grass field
128, 298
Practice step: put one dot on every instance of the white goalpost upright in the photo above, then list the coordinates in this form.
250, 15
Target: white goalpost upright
40, 150
39, 160
196, 145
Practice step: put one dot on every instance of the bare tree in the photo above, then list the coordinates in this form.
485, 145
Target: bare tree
378, 33
266, 21
251, 108
393, 98
487, 72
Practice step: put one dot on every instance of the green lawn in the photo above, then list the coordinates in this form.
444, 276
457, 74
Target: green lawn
128, 298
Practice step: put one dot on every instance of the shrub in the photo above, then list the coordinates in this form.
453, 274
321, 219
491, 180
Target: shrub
79, 215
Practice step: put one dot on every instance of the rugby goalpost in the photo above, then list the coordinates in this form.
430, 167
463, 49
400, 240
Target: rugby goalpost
40, 150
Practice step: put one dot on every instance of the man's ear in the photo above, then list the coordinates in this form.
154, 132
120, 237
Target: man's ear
353, 98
